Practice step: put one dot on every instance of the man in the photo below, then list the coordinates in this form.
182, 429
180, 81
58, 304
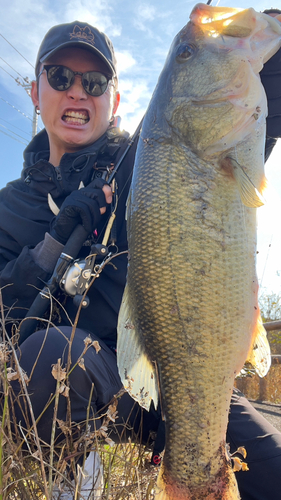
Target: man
76, 93
66, 166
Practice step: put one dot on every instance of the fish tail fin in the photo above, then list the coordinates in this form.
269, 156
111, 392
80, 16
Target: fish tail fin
259, 356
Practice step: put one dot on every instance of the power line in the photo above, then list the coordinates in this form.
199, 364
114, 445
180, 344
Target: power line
7, 72
14, 126
25, 83
17, 51
18, 110
25, 79
23, 138
15, 139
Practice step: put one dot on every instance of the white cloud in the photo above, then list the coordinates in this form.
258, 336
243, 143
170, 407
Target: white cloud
134, 101
125, 60
133, 92
146, 12
94, 12
130, 122
24, 24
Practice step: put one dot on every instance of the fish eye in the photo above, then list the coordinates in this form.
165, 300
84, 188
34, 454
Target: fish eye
184, 52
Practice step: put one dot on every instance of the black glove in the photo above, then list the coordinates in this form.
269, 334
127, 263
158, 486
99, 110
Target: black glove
80, 207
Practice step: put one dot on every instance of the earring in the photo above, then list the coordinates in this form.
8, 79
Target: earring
37, 110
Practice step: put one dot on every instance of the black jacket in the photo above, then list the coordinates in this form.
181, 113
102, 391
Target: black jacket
271, 80
25, 218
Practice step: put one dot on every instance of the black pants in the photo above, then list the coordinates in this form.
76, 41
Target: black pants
246, 426
263, 445
99, 378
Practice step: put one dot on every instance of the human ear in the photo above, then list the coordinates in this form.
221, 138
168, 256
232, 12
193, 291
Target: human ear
116, 102
34, 93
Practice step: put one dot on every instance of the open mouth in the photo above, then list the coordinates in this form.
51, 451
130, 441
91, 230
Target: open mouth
76, 117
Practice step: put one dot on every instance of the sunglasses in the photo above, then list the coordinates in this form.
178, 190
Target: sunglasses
61, 78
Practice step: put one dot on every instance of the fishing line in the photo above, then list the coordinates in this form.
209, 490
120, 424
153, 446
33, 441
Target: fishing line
269, 248
132, 139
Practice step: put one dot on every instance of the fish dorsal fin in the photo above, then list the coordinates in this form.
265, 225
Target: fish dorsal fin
259, 356
137, 372
250, 196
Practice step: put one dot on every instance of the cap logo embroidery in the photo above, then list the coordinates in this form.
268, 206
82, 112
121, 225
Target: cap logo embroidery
83, 34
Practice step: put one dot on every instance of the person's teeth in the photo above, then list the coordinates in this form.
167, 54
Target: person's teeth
76, 116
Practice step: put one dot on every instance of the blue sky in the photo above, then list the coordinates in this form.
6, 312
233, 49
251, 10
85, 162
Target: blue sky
141, 33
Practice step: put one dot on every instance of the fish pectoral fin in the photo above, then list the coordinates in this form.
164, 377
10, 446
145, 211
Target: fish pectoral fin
137, 372
259, 356
250, 196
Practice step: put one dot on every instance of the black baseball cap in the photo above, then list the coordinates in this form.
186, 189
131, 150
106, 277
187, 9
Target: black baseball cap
77, 34
272, 11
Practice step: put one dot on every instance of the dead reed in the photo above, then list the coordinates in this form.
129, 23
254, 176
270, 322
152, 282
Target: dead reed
33, 469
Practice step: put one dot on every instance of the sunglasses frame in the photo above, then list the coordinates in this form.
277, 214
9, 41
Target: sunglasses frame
47, 68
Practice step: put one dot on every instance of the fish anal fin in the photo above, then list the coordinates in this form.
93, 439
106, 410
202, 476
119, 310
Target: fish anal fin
259, 356
136, 370
250, 195
52, 205
128, 204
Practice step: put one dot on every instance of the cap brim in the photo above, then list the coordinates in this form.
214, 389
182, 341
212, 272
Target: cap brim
82, 45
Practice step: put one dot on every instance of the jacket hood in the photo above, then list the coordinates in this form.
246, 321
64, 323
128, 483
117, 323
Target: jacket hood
74, 168
37, 149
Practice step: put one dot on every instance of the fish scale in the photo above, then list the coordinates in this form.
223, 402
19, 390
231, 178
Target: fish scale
185, 287
189, 316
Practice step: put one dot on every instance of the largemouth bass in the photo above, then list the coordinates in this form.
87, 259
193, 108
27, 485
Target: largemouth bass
189, 317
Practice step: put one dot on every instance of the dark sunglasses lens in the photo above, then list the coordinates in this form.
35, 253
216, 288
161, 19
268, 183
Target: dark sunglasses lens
94, 83
60, 77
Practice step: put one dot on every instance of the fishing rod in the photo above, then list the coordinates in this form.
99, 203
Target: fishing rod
67, 258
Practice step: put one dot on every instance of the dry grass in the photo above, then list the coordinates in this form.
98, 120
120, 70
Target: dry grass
31, 469
266, 389
124, 475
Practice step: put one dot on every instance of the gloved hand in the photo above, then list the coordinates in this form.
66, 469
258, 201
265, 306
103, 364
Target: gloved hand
83, 206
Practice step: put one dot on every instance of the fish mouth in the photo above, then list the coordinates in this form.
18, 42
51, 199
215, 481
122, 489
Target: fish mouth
73, 117
234, 91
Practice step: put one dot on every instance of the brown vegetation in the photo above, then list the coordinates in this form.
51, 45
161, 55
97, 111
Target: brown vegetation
31, 469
